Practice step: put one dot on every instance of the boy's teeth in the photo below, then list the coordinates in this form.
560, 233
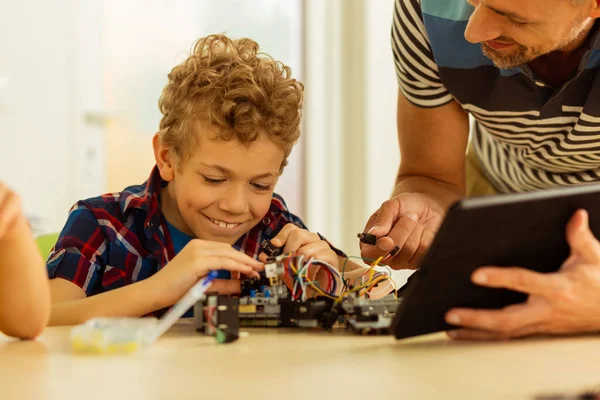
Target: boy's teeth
223, 224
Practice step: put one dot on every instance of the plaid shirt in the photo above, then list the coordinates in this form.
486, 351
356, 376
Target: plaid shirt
121, 238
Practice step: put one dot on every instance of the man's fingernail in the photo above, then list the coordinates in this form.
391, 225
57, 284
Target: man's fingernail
275, 242
372, 229
452, 334
453, 319
480, 277
412, 216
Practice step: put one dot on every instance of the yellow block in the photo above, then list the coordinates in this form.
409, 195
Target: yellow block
247, 308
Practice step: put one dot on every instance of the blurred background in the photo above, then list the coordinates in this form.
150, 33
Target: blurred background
80, 82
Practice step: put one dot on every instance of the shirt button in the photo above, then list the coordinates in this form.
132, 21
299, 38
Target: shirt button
540, 84
266, 221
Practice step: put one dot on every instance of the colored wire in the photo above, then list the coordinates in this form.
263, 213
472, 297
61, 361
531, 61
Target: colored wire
297, 268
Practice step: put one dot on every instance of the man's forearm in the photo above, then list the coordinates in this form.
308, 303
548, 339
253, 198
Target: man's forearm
443, 192
135, 300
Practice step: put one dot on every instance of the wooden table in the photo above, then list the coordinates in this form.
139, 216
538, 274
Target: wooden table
294, 364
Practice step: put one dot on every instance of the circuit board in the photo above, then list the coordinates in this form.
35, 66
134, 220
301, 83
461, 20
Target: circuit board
285, 297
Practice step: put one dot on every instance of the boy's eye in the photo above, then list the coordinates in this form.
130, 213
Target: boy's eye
258, 186
212, 180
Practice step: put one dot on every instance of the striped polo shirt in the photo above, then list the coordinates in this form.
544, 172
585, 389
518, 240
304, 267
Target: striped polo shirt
527, 134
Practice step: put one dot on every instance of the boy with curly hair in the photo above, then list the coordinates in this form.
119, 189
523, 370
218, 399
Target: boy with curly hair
231, 116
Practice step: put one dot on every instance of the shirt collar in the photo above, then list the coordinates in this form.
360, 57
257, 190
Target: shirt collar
145, 197
594, 42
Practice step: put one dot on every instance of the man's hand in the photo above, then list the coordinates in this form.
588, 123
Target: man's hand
565, 302
300, 241
409, 220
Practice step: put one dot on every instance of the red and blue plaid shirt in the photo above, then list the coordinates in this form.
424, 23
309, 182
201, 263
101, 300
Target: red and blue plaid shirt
121, 238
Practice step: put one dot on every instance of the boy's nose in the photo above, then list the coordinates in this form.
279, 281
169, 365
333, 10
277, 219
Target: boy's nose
234, 201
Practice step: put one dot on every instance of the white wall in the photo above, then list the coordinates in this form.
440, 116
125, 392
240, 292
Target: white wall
382, 153
144, 40
352, 154
35, 112
66, 61
80, 81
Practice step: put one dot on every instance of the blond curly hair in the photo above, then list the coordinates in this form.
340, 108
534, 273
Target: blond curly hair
240, 92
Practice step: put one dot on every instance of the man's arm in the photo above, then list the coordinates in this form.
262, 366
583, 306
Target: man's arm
433, 133
431, 177
433, 143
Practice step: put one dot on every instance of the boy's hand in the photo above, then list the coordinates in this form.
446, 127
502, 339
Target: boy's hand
10, 209
300, 241
196, 259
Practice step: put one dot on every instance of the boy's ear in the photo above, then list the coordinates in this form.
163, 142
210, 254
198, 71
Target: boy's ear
595, 12
162, 155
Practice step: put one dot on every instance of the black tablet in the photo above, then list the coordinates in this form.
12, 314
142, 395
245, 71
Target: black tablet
526, 229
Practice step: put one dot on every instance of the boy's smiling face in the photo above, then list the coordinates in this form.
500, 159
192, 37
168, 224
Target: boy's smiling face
223, 189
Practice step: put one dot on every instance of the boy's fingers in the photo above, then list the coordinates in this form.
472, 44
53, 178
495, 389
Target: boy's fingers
283, 236
233, 254
244, 259
313, 249
299, 238
216, 263
226, 286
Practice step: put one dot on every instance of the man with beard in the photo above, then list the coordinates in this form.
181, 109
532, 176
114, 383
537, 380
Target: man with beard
528, 74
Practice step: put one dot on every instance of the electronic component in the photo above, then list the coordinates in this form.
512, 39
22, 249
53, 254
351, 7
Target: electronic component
260, 310
392, 253
269, 249
104, 335
249, 285
367, 238
371, 316
217, 315
304, 314
285, 296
